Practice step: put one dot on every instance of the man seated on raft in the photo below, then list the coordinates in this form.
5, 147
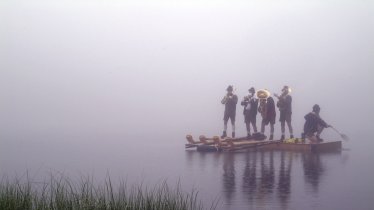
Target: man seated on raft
314, 124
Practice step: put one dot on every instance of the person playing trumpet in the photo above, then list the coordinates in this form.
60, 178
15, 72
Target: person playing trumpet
229, 100
250, 104
285, 108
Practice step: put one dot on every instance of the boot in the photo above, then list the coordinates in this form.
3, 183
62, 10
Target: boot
224, 134
249, 136
291, 136
282, 137
319, 139
233, 134
271, 137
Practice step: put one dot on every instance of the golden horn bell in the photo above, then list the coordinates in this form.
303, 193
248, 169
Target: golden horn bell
263, 94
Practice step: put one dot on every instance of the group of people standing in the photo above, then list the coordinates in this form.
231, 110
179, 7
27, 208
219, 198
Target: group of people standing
262, 102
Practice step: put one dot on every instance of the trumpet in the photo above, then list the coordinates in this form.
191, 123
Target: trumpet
227, 97
247, 98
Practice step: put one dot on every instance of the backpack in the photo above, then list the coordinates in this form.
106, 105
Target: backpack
259, 136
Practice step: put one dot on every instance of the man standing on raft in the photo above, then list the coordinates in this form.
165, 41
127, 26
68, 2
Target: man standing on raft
250, 104
285, 108
267, 110
230, 100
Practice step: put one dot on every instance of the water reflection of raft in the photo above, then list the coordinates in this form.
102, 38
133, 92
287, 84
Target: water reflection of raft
228, 144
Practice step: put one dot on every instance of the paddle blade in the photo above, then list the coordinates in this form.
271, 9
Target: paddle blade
345, 137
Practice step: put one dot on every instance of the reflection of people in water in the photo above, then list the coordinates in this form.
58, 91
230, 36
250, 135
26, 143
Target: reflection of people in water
249, 175
267, 173
284, 183
266, 179
229, 176
313, 169
264, 185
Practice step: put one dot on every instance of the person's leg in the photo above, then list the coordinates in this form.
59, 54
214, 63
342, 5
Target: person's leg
283, 124
319, 131
263, 127
271, 131
248, 126
224, 134
253, 121
283, 129
290, 128
233, 126
311, 137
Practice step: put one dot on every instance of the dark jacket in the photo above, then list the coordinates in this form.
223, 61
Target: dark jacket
312, 121
254, 105
270, 109
285, 104
230, 104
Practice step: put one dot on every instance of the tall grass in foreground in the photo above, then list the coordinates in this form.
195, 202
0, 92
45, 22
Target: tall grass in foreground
62, 193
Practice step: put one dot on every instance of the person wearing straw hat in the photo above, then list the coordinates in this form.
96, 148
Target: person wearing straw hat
250, 104
267, 110
285, 108
314, 124
230, 100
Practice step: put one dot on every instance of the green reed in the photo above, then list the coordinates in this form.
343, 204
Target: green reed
59, 192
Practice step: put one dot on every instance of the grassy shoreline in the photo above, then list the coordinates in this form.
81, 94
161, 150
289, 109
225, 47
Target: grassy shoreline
60, 192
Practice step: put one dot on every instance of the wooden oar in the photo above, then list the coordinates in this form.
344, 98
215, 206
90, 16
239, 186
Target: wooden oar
343, 136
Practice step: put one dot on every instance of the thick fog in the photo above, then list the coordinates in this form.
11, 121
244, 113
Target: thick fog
161, 68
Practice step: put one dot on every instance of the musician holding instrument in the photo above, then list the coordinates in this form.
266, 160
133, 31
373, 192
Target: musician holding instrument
267, 110
229, 100
285, 108
250, 104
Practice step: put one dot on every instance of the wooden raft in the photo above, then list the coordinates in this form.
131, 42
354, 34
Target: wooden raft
233, 144
228, 144
310, 147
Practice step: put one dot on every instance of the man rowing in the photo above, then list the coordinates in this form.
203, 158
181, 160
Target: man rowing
314, 124
250, 104
229, 100
285, 108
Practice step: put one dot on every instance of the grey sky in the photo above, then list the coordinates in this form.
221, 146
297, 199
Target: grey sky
114, 67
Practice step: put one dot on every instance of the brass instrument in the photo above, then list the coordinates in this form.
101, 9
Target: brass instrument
262, 108
281, 95
263, 94
226, 97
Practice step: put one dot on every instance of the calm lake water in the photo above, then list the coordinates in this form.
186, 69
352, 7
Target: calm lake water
242, 180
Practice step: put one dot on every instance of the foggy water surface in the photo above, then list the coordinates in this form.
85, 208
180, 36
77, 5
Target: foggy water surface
241, 180
112, 87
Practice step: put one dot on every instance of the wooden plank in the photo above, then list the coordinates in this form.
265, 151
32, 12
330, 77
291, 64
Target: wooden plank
255, 144
327, 146
229, 144
318, 147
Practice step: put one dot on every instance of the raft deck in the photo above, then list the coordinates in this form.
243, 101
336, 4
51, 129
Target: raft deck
217, 144
308, 147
